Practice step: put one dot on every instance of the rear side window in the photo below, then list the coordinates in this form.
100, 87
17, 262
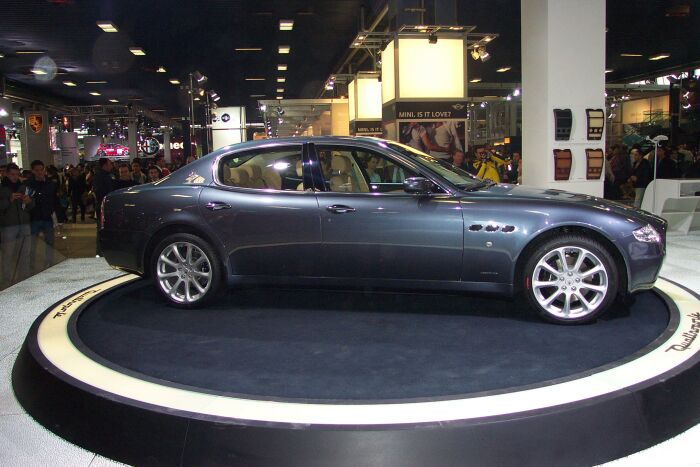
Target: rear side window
278, 168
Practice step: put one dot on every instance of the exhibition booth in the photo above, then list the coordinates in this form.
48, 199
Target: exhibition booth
324, 374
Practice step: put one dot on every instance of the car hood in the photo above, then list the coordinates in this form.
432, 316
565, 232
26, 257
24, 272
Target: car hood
567, 197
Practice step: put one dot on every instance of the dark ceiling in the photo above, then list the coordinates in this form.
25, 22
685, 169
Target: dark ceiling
188, 35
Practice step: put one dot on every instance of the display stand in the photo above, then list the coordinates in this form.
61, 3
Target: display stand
249, 381
675, 200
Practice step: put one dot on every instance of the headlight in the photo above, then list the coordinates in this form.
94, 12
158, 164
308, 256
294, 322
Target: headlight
647, 234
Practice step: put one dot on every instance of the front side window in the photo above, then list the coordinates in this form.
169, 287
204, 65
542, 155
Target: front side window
358, 170
458, 177
265, 168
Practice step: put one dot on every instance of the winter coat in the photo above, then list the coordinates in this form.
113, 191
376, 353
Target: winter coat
13, 212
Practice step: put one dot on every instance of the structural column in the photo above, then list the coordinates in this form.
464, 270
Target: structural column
166, 146
563, 67
132, 129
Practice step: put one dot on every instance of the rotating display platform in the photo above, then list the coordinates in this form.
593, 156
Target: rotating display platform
272, 376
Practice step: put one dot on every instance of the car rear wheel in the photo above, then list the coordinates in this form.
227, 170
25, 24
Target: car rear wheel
570, 279
186, 270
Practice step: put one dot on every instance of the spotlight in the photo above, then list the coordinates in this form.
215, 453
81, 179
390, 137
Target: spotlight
516, 93
263, 107
200, 92
280, 111
484, 55
482, 105
475, 54
199, 77
432, 39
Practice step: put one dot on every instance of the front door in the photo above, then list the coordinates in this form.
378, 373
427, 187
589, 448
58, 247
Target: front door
269, 224
372, 228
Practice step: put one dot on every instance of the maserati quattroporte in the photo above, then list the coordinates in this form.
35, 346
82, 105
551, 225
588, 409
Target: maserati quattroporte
365, 212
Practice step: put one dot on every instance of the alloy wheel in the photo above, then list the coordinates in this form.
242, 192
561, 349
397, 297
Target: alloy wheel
570, 282
184, 272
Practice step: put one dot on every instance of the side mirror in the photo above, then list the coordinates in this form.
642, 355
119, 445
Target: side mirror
418, 185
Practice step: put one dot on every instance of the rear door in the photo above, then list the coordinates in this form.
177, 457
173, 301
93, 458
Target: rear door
265, 217
373, 229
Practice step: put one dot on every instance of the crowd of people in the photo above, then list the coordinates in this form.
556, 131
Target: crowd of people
35, 200
629, 170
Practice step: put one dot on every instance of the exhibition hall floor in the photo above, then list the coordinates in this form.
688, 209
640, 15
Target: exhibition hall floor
25, 442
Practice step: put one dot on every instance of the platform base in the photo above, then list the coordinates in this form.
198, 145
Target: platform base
593, 416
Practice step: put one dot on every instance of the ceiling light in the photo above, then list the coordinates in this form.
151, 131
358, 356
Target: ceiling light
107, 26
199, 77
484, 55
475, 53
196, 99
475, 80
2, 55
95, 82
630, 55
174, 81
279, 97
281, 67
161, 69
659, 57
137, 51
27, 52
70, 83
503, 69
95, 93
608, 71
257, 95
284, 49
157, 110
38, 71
255, 79
488, 39
361, 37
114, 100
248, 49
280, 89
281, 79
286, 24
201, 92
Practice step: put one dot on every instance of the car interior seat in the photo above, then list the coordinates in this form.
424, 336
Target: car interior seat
239, 177
272, 178
255, 179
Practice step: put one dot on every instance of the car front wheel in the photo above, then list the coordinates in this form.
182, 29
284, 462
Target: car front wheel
571, 279
187, 270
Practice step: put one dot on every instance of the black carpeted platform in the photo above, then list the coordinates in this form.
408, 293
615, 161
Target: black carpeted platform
332, 345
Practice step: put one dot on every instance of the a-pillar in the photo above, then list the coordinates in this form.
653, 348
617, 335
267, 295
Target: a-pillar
132, 129
563, 67
166, 146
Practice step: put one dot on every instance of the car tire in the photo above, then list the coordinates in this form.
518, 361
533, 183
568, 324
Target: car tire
570, 279
186, 270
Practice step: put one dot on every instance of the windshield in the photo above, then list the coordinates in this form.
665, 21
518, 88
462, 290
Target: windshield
455, 175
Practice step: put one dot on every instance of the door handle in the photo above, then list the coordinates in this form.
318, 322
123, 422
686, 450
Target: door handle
339, 208
217, 205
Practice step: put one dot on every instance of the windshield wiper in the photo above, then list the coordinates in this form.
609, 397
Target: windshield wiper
481, 184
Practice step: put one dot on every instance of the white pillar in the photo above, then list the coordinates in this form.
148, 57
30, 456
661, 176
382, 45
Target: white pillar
132, 130
166, 146
563, 67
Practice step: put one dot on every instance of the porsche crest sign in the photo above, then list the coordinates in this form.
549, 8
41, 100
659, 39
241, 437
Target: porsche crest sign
36, 122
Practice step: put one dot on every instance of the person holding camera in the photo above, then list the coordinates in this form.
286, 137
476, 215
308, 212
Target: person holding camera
487, 164
15, 204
